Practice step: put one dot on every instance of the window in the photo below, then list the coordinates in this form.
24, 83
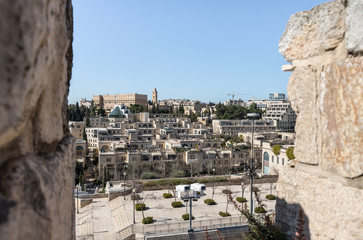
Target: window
277, 160
272, 159
108, 159
283, 161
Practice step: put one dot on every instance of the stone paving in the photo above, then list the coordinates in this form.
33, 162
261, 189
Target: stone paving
162, 211
110, 217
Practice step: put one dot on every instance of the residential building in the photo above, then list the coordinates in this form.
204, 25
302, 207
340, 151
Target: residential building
76, 129
233, 127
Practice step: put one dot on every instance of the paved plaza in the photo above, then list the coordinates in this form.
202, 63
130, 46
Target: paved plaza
103, 219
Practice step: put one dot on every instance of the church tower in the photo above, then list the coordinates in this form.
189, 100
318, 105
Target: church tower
155, 97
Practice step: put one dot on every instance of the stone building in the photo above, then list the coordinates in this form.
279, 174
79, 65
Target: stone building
325, 48
76, 129
282, 114
108, 102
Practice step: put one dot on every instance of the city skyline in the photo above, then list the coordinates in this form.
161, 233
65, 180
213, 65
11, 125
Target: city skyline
198, 51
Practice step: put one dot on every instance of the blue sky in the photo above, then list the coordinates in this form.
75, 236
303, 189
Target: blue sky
194, 49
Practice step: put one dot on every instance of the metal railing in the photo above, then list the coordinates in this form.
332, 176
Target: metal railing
178, 227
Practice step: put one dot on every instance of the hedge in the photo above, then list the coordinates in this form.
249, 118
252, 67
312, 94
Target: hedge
241, 199
140, 206
271, 197
226, 191
167, 182
177, 204
209, 201
149, 175
148, 220
186, 217
259, 210
224, 214
167, 195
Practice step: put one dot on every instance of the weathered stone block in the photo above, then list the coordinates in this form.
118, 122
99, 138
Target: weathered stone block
302, 93
313, 32
354, 26
341, 105
332, 211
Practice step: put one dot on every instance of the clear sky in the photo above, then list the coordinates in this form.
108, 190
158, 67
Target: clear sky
194, 49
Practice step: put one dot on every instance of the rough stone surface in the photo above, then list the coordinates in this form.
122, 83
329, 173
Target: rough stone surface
332, 211
303, 94
326, 91
313, 32
36, 168
354, 26
341, 111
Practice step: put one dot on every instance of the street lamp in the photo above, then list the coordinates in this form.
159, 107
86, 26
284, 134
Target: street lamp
213, 181
133, 204
252, 116
77, 201
124, 186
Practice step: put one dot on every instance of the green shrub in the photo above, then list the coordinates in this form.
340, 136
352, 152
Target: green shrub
135, 197
271, 197
241, 199
210, 180
186, 217
224, 214
209, 201
178, 174
290, 153
148, 220
167, 182
177, 204
259, 210
276, 149
140, 206
226, 191
149, 175
167, 195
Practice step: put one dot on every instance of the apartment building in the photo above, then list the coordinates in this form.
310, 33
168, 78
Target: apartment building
76, 129
233, 127
282, 114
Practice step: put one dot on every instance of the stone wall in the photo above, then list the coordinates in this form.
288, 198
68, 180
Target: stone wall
36, 168
325, 47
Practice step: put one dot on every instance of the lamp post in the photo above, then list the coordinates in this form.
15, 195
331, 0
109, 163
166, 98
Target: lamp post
133, 205
77, 201
213, 181
124, 185
252, 116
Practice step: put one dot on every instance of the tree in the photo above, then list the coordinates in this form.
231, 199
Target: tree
152, 195
276, 149
88, 122
84, 134
261, 230
101, 112
290, 153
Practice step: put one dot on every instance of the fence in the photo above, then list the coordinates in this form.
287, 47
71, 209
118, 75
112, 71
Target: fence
178, 227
